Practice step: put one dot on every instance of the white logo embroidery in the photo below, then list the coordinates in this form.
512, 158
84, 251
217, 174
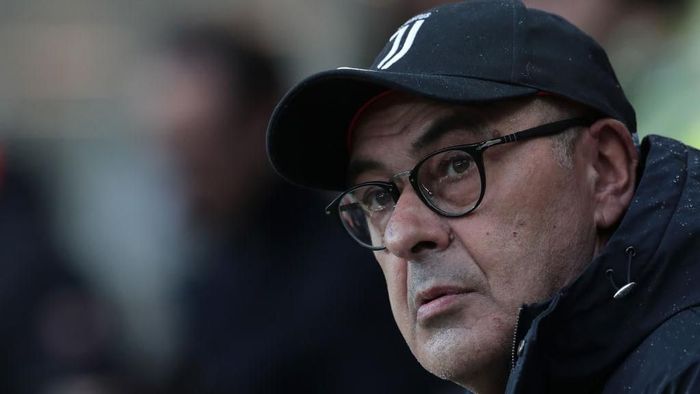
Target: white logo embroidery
395, 54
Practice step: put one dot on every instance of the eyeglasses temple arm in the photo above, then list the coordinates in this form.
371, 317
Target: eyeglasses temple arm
551, 128
539, 131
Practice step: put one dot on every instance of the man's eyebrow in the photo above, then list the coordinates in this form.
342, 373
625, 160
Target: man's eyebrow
357, 167
462, 120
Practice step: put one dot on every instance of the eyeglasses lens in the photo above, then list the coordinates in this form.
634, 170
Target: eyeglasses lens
364, 212
450, 181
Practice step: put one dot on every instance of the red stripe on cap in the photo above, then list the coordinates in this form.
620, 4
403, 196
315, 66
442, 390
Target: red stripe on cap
359, 113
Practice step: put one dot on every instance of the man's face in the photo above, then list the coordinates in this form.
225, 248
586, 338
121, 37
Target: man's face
455, 284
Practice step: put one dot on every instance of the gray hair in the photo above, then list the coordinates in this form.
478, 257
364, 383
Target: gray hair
553, 109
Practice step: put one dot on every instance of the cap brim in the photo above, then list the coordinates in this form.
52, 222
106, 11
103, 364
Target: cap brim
307, 132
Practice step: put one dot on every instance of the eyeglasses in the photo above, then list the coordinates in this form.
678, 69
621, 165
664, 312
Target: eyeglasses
450, 181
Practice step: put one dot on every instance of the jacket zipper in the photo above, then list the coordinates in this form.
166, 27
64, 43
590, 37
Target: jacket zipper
515, 340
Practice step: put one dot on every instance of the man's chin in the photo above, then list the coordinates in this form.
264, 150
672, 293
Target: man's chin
460, 354
445, 352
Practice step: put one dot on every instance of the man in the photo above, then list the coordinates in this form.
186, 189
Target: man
488, 159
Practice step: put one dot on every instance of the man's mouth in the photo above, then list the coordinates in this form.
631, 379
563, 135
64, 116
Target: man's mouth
437, 300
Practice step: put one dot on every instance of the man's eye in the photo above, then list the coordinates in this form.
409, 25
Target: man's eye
455, 166
458, 166
376, 200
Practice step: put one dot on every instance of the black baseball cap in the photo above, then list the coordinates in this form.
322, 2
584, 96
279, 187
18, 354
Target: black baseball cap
475, 51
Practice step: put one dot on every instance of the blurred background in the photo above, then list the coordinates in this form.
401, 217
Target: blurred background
133, 261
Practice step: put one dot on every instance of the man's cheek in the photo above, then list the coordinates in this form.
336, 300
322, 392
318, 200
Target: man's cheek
395, 276
394, 271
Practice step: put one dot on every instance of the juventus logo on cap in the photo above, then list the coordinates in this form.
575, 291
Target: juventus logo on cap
402, 40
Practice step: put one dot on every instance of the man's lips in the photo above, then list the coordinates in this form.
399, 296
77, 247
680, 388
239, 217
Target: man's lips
432, 293
436, 300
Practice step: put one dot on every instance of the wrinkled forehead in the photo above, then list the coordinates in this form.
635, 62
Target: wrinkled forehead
394, 114
396, 130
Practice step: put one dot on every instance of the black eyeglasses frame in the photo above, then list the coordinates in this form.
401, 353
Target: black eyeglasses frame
475, 150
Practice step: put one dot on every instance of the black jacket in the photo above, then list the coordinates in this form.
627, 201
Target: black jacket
585, 341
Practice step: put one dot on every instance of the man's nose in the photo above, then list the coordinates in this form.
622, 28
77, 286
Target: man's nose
414, 229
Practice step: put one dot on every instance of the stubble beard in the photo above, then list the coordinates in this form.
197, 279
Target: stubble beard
457, 355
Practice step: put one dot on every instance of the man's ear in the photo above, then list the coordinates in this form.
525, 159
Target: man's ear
614, 162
